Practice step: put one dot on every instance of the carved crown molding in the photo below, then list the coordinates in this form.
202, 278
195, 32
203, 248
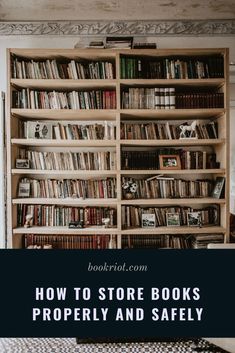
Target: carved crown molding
138, 28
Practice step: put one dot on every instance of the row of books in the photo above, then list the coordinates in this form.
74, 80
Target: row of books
53, 69
168, 98
52, 216
132, 160
102, 241
153, 241
149, 98
71, 131
178, 159
201, 241
197, 241
133, 67
67, 188
94, 99
203, 100
132, 216
166, 131
42, 160
167, 187
156, 241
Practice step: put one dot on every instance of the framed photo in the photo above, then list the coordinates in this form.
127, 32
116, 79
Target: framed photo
219, 187
148, 220
173, 220
39, 130
22, 163
169, 161
194, 219
24, 189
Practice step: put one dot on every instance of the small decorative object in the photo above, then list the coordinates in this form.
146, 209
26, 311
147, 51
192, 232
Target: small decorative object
47, 246
169, 161
39, 130
34, 247
173, 219
106, 222
76, 224
194, 219
219, 187
119, 42
28, 221
148, 220
189, 131
22, 164
24, 189
130, 189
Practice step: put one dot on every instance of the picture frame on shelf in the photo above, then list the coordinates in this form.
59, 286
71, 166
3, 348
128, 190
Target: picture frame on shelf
39, 130
194, 219
173, 220
22, 163
219, 188
148, 220
76, 224
24, 189
169, 162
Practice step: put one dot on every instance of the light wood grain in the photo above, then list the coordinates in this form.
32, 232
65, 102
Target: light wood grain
63, 143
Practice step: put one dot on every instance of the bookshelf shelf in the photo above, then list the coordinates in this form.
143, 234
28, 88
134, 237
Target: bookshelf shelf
183, 142
171, 114
175, 230
214, 93
163, 202
175, 172
65, 114
65, 230
63, 84
64, 143
68, 174
174, 82
66, 201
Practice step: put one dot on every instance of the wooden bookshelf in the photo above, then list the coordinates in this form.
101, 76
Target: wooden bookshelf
220, 145
173, 143
67, 202
64, 143
174, 230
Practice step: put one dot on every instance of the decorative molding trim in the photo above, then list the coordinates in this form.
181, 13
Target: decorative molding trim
137, 28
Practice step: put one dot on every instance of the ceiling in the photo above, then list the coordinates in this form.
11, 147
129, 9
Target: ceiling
36, 10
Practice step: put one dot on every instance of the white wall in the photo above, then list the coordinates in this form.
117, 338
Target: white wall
69, 42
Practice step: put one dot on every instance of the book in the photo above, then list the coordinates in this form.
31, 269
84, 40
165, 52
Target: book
219, 188
119, 42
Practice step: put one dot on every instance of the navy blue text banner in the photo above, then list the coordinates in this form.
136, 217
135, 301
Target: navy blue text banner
117, 293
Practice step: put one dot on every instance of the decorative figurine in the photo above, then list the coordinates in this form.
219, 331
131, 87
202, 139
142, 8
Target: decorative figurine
106, 222
28, 221
189, 131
